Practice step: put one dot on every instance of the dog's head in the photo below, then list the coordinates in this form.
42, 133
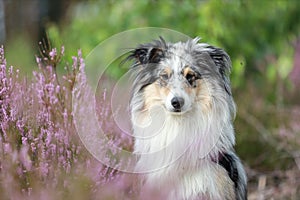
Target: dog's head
181, 77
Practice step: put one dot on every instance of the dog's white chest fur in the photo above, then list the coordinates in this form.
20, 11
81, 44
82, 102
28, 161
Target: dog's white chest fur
208, 182
174, 150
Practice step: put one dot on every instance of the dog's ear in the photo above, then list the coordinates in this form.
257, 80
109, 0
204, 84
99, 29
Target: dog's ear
140, 55
148, 53
223, 63
144, 55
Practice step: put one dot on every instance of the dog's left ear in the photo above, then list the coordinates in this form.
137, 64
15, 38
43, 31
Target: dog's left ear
223, 63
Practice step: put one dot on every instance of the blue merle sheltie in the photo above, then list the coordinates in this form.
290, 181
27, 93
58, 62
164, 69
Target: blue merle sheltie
182, 111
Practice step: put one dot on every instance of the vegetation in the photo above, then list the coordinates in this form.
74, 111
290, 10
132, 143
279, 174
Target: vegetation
260, 36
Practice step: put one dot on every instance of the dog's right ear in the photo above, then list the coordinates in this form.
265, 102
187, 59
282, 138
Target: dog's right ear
148, 53
143, 55
140, 55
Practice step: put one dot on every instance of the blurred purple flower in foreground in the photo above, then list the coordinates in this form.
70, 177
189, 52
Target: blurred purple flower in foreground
41, 156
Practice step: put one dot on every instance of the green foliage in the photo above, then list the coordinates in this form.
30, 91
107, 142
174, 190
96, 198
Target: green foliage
248, 30
20, 54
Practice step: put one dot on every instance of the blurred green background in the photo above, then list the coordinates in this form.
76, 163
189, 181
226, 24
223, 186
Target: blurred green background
261, 36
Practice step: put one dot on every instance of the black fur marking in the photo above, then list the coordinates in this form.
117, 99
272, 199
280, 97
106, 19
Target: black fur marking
148, 53
223, 62
227, 161
141, 55
155, 55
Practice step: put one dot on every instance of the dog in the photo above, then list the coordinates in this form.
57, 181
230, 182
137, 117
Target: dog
182, 113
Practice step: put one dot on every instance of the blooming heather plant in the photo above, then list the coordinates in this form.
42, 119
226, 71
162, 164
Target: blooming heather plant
41, 156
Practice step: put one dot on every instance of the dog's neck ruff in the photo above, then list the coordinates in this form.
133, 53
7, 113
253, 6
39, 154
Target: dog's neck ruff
181, 141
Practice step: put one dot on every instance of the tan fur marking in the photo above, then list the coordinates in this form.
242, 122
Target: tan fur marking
189, 90
168, 70
154, 95
151, 95
187, 70
203, 96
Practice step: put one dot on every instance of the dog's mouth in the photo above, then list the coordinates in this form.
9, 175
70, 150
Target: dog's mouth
177, 111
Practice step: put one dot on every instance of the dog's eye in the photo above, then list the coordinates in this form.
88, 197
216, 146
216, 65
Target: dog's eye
164, 76
191, 78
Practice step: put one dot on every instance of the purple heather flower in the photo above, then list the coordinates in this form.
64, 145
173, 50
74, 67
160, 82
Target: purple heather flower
24, 158
7, 148
53, 54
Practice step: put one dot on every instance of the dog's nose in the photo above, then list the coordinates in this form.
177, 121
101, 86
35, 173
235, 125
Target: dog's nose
177, 103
